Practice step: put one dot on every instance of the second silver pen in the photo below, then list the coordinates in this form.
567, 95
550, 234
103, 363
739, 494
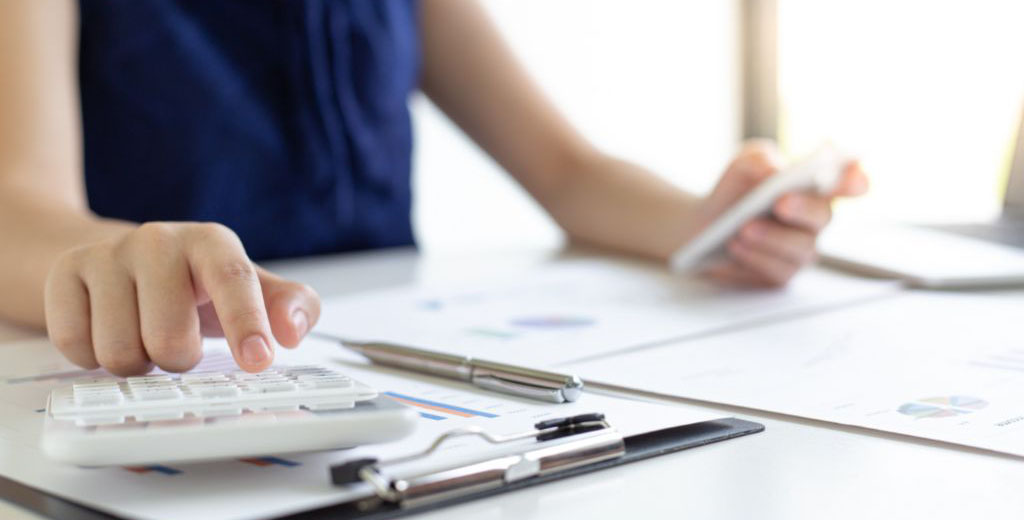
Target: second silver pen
521, 381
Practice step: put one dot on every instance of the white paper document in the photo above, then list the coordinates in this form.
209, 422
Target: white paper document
573, 310
272, 485
942, 366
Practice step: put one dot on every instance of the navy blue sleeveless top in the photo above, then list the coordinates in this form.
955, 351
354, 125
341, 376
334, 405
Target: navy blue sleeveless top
285, 120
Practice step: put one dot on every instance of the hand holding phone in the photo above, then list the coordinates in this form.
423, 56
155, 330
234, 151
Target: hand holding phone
821, 171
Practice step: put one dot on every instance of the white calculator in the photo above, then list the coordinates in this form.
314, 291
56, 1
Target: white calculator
213, 415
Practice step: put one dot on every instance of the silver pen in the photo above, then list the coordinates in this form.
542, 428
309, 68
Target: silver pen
510, 379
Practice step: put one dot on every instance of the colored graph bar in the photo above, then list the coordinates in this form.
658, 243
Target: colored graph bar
438, 406
552, 321
431, 416
492, 333
270, 461
155, 468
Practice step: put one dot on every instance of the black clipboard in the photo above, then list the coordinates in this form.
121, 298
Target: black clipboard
638, 447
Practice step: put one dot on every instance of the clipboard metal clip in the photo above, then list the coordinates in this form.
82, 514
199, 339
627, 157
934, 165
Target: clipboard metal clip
563, 444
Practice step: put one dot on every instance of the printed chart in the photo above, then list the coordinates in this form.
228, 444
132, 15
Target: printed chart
931, 365
576, 310
436, 410
939, 407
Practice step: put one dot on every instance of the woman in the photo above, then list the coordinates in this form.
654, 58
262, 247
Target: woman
150, 149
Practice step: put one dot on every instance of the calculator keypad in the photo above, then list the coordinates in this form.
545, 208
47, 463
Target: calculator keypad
109, 400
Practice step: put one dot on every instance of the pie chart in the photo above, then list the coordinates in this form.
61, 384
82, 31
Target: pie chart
552, 321
943, 406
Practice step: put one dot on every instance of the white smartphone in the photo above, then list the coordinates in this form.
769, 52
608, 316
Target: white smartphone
819, 171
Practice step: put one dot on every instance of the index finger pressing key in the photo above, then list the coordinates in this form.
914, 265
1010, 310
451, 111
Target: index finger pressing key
221, 268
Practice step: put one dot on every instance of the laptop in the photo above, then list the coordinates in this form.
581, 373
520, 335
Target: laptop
1008, 229
940, 257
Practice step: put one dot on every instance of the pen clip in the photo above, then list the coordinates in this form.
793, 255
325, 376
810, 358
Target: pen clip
563, 444
498, 384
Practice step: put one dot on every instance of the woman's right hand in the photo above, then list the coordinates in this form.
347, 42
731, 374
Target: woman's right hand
150, 295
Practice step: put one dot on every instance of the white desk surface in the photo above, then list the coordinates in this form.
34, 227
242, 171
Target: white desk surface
795, 469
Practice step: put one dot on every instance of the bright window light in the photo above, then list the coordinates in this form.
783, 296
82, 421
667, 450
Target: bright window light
927, 92
651, 81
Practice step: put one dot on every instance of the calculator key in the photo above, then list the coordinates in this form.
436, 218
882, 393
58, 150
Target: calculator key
308, 377
265, 377
98, 398
197, 384
111, 385
246, 376
205, 373
257, 377
157, 394
257, 382
293, 368
147, 384
203, 376
303, 377
95, 389
151, 388
153, 384
214, 390
301, 370
148, 379
95, 380
326, 382
271, 386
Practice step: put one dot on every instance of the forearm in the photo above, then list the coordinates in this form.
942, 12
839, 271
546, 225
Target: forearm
471, 74
34, 235
616, 204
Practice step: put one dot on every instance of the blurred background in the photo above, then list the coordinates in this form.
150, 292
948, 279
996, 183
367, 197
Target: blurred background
927, 92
